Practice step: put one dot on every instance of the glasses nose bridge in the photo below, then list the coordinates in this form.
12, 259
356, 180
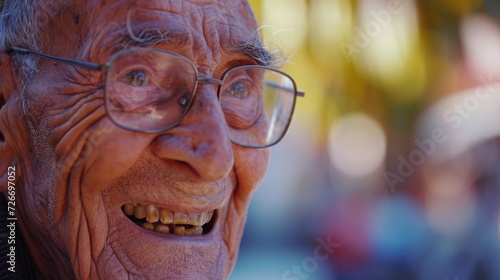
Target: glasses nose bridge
209, 80
205, 80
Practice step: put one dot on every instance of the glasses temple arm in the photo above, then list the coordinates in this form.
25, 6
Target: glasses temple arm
87, 65
300, 93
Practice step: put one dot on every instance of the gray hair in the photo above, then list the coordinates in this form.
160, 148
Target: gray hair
20, 24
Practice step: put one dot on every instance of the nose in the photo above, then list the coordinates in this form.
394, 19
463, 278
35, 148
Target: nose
201, 139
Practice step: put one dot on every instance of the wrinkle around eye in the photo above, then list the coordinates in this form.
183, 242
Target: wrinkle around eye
70, 134
240, 118
70, 111
82, 76
68, 103
71, 96
135, 97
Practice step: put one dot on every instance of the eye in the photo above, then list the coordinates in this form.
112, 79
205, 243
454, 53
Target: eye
136, 78
238, 89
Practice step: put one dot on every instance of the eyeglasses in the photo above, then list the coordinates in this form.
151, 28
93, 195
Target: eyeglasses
151, 90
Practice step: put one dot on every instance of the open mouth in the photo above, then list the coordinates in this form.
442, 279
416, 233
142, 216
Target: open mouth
153, 218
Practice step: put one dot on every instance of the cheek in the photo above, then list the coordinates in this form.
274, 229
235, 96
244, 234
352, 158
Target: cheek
115, 153
250, 167
73, 141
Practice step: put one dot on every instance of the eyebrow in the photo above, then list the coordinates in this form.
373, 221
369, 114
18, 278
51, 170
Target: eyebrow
153, 37
255, 50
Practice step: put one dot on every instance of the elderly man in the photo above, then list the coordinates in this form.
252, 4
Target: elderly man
133, 134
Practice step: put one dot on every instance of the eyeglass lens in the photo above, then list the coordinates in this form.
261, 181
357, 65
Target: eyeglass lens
151, 90
258, 104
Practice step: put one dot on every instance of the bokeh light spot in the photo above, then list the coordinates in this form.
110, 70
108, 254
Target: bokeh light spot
357, 145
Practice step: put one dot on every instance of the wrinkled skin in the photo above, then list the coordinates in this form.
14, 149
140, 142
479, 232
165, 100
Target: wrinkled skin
75, 169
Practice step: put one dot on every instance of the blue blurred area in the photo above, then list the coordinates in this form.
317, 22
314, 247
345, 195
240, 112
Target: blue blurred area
443, 223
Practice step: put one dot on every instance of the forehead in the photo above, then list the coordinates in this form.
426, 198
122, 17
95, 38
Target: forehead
205, 29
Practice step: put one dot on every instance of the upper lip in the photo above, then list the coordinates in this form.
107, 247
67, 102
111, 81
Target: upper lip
192, 198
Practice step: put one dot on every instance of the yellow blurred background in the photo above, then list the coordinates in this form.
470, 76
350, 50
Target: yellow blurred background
393, 154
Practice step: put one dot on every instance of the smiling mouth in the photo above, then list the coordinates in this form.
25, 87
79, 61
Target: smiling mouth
161, 220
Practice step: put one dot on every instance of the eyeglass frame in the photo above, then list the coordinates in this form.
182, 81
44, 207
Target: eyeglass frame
199, 80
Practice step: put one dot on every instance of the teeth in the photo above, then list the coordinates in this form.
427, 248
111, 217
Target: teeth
180, 230
165, 221
128, 209
139, 212
180, 218
162, 228
189, 231
152, 214
148, 226
198, 231
194, 231
166, 217
203, 218
193, 219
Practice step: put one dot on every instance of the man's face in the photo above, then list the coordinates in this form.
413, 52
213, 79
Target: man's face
86, 185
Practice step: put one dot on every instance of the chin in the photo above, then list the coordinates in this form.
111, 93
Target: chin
147, 241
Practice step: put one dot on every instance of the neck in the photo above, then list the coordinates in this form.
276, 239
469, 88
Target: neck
49, 261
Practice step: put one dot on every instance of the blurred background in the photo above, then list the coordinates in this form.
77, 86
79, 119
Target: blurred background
391, 168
